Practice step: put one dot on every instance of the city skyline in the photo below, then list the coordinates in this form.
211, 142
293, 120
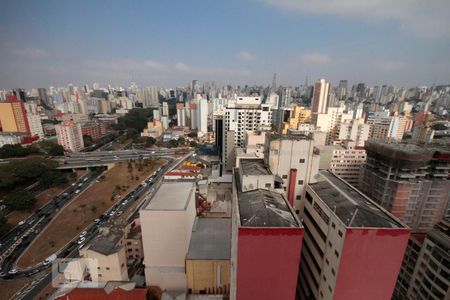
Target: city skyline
55, 43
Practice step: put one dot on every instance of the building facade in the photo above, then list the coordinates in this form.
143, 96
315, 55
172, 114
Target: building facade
70, 136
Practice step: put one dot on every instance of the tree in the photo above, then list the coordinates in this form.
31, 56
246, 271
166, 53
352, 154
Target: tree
150, 141
192, 134
87, 140
193, 144
4, 226
173, 143
19, 199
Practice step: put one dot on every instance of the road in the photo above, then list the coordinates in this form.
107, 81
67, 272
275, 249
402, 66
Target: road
17, 240
103, 158
142, 193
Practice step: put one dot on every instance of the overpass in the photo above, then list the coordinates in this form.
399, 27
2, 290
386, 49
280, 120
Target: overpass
108, 158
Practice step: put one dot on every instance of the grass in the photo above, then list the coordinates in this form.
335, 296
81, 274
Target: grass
80, 212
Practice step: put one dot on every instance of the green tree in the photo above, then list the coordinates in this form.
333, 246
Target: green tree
192, 134
193, 144
87, 140
19, 199
4, 226
173, 143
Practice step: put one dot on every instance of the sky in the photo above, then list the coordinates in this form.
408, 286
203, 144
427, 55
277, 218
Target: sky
170, 43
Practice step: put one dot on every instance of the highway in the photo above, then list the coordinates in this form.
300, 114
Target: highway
103, 158
142, 193
17, 240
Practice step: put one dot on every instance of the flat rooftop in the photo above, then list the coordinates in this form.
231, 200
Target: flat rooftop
351, 206
254, 167
106, 244
210, 239
172, 196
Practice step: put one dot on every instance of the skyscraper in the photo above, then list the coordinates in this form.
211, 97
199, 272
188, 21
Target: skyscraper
13, 117
70, 136
319, 100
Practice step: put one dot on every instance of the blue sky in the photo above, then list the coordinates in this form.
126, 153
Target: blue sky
169, 43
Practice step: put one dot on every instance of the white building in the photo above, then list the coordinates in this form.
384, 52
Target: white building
202, 116
354, 129
34, 121
293, 159
70, 136
330, 122
181, 116
166, 223
320, 98
9, 138
241, 115
345, 161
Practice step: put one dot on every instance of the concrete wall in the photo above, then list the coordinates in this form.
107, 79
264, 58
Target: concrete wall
166, 236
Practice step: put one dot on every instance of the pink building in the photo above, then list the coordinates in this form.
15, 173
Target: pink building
265, 244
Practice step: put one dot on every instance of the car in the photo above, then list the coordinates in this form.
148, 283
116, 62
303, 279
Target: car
65, 194
81, 246
112, 213
97, 221
13, 271
119, 213
83, 234
81, 240
73, 184
3, 274
85, 179
80, 185
77, 191
21, 223
32, 272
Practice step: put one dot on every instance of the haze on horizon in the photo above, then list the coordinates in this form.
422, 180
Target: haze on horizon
169, 43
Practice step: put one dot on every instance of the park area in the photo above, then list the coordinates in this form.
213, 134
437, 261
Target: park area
88, 206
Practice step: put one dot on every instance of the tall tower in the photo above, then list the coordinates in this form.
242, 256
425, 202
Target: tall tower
320, 97
274, 82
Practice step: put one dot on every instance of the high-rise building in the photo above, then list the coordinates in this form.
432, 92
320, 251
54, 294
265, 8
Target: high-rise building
408, 180
342, 90
320, 98
352, 248
355, 130
13, 116
181, 115
242, 114
427, 266
150, 96
202, 116
69, 135
343, 160
266, 237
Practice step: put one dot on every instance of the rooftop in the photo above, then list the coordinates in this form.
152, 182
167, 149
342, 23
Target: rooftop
107, 243
172, 196
254, 167
210, 239
263, 208
351, 206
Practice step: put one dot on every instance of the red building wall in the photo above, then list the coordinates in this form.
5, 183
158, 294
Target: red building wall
267, 263
370, 263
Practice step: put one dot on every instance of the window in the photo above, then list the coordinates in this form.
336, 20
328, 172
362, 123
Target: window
284, 176
107, 268
333, 225
329, 244
329, 288
298, 197
324, 278
327, 261
340, 233
297, 211
300, 182
302, 160
309, 198
336, 253
333, 272
268, 185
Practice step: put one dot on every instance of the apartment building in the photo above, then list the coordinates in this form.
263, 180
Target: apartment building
352, 247
70, 136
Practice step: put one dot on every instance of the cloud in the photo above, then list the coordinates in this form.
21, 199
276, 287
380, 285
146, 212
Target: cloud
181, 67
30, 52
315, 59
245, 56
423, 18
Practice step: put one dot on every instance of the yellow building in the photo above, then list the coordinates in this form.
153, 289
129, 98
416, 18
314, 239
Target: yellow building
208, 258
13, 117
154, 129
299, 115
